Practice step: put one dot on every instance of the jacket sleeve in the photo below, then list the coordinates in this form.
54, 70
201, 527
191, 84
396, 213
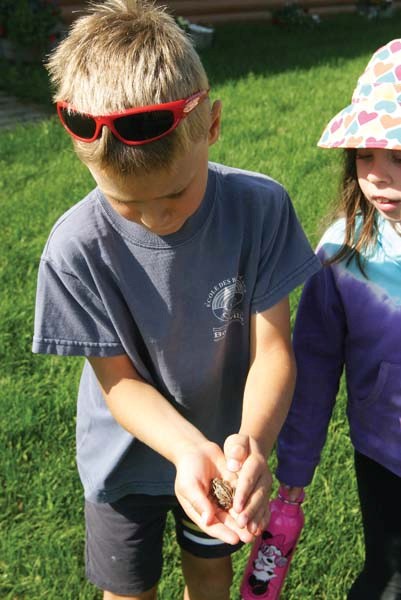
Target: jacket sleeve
319, 338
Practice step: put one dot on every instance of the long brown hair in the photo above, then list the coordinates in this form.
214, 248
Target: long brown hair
354, 206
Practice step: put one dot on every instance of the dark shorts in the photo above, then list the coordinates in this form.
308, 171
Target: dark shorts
124, 542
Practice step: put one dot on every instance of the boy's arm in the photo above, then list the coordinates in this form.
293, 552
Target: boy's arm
146, 414
267, 398
271, 376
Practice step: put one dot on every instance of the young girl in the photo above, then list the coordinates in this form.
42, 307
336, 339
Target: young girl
350, 317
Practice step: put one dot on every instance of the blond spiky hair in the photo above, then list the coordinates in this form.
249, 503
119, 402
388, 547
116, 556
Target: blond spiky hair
124, 54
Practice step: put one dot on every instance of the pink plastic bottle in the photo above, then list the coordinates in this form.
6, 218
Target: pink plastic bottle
272, 552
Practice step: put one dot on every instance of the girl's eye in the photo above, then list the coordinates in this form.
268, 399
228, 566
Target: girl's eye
396, 156
360, 156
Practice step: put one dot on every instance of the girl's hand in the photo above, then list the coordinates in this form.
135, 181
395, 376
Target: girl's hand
253, 489
196, 467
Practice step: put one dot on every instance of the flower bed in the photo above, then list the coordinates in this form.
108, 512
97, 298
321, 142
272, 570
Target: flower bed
29, 28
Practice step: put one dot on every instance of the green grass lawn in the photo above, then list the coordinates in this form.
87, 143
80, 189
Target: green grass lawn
279, 88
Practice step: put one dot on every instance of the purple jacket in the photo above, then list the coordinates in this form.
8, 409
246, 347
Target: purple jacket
347, 321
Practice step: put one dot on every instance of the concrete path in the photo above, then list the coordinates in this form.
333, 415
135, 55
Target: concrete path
14, 111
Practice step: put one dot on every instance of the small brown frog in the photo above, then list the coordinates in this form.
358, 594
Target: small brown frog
222, 493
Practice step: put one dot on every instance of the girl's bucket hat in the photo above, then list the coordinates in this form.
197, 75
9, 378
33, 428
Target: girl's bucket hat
373, 119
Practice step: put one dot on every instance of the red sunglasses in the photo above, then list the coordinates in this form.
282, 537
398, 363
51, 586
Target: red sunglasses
134, 126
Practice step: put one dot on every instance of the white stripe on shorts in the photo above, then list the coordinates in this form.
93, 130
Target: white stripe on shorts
200, 540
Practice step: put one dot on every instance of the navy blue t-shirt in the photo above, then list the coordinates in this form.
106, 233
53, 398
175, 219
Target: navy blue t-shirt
179, 306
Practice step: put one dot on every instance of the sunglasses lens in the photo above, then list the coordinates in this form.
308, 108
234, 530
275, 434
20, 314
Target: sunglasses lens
144, 126
81, 125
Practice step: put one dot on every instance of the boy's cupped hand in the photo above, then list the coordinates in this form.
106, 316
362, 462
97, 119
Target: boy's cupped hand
198, 465
254, 484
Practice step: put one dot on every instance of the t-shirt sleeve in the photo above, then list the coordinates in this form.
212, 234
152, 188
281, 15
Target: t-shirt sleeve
70, 318
286, 260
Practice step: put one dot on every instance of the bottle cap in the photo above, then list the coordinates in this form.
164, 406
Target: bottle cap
283, 494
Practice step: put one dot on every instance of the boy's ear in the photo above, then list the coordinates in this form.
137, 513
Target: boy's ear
214, 129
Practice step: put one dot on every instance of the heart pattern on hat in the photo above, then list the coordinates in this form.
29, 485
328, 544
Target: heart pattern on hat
336, 125
373, 119
348, 119
372, 142
381, 68
386, 105
354, 142
365, 117
395, 134
388, 122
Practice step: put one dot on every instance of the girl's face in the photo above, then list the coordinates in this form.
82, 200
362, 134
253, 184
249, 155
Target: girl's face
379, 177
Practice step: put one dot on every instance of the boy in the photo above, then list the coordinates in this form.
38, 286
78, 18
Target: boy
171, 278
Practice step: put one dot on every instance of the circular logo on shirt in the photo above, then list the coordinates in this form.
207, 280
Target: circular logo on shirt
227, 299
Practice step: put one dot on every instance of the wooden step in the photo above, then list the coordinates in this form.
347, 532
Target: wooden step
226, 11
205, 7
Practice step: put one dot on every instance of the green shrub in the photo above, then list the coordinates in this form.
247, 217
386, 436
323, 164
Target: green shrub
30, 24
